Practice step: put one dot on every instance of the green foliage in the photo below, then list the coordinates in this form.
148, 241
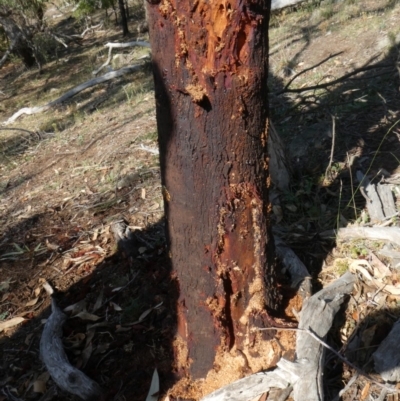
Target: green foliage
87, 7
31, 8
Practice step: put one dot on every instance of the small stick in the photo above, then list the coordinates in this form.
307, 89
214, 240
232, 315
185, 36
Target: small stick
346, 361
332, 147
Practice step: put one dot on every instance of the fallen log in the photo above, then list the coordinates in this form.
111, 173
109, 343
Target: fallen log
279, 4
299, 276
67, 377
72, 92
387, 356
306, 372
379, 198
391, 234
317, 317
112, 46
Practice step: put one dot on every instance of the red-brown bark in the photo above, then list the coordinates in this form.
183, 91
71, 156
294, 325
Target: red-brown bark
210, 70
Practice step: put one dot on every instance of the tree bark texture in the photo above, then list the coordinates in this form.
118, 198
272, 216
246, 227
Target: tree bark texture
18, 39
210, 69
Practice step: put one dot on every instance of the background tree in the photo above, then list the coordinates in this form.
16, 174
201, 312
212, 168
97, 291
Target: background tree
210, 70
21, 19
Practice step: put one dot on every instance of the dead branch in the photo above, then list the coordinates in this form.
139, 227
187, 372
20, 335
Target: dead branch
300, 278
305, 374
317, 316
57, 39
279, 4
112, 46
328, 169
386, 358
53, 356
87, 29
391, 234
74, 91
252, 386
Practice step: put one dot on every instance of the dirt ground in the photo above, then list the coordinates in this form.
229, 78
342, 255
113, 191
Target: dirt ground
68, 174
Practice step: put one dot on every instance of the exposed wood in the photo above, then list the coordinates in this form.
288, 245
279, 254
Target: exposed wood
379, 198
72, 92
306, 373
391, 234
286, 374
126, 240
210, 63
53, 356
317, 316
112, 46
279, 4
387, 356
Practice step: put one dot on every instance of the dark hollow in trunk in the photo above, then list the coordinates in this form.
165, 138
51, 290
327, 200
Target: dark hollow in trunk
210, 71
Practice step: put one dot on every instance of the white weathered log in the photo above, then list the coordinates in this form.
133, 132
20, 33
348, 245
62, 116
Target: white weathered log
53, 356
112, 46
305, 374
379, 198
387, 356
252, 386
300, 278
278, 4
72, 92
317, 316
128, 44
391, 234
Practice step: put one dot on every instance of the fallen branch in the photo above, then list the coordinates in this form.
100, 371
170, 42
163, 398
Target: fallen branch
112, 46
328, 169
53, 356
391, 234
72, 92
279, 4
305, 374
87, 29
378, 197
252, 386
300, 278
317, 316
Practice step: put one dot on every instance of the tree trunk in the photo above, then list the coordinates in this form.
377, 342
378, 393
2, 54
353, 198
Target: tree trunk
210, 71
124, 20
18, 40
127, 9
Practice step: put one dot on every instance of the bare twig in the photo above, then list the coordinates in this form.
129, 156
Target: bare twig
345, 360
72, 92
112, 46
328, 169
351, 183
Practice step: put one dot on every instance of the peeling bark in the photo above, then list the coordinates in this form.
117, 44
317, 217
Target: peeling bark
210, 70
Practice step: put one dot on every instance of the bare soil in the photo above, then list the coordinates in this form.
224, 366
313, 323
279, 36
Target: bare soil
66, 175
